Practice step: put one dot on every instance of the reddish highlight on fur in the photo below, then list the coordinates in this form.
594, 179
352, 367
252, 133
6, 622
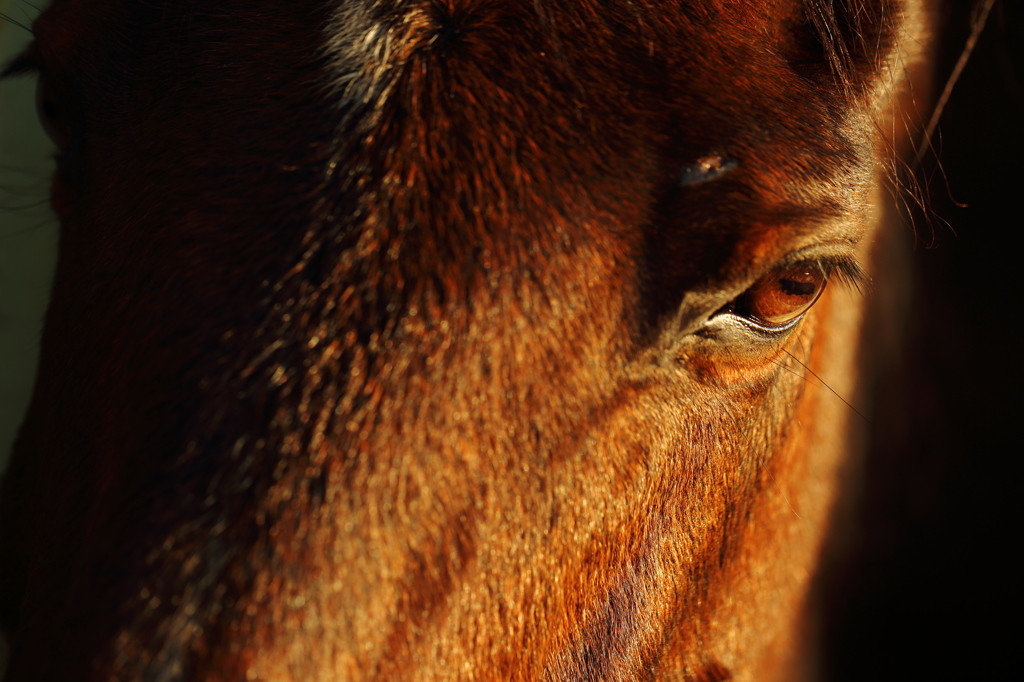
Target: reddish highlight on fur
413, 339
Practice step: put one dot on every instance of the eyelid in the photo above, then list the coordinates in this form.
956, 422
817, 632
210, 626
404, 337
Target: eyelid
837, 257
846, 269
27, 63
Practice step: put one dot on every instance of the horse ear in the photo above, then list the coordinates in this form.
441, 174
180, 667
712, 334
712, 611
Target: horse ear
844, 43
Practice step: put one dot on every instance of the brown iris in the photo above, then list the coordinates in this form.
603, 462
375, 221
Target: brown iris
783, 295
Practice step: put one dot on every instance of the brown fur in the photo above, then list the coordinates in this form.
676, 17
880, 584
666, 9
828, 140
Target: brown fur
382, 343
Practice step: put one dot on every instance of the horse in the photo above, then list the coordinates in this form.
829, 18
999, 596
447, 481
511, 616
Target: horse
446, 339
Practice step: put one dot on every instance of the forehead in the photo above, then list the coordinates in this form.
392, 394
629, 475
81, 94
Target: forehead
530, 113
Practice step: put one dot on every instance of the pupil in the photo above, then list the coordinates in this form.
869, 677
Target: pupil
792, 287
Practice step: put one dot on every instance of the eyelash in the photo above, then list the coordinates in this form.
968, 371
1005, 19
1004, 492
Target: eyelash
847, 270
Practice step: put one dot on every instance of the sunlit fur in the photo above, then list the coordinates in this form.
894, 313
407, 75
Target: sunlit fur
383, 339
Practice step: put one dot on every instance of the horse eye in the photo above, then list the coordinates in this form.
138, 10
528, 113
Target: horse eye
783, 295
51, 115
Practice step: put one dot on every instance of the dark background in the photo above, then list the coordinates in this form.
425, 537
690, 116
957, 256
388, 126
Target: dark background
929, 589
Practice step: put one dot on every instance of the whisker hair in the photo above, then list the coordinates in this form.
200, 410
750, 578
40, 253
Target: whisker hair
831, 390
981, 12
